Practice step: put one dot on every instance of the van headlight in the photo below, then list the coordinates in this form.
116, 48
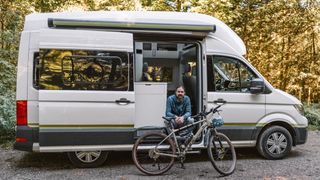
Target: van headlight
299, 108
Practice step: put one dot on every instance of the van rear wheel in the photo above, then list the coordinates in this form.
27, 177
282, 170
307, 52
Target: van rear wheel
88, 159
275, 142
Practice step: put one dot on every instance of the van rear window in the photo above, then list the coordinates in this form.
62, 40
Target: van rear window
84, 70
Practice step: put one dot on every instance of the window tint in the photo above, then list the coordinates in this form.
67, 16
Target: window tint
36, 68
84, 70
227, 74
147, 46
167, 47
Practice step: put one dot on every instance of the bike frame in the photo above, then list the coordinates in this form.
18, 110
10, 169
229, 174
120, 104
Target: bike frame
203, 127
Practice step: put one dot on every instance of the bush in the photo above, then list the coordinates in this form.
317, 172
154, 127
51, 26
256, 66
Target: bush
7, 118
312, 113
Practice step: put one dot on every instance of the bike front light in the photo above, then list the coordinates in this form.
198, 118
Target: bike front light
299, 108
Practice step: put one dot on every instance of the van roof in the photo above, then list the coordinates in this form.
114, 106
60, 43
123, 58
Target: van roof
208, 24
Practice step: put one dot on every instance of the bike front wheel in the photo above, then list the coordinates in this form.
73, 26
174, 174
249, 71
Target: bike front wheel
152, 154
222, 154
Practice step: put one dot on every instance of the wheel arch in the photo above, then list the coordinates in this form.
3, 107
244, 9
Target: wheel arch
281, 120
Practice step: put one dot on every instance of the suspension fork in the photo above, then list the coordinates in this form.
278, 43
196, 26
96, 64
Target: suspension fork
214, 133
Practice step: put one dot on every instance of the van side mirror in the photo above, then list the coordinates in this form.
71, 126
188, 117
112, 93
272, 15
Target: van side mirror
256, 86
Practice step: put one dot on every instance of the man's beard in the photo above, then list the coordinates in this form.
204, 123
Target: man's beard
180, 97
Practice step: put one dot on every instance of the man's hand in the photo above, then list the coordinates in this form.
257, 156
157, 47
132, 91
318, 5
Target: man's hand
179, 120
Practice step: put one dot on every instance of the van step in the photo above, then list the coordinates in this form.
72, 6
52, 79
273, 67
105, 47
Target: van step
194, 152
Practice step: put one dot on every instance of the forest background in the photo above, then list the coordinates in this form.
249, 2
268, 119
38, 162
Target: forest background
282, 39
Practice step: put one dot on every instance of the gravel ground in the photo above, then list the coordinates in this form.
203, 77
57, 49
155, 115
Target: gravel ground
302, 163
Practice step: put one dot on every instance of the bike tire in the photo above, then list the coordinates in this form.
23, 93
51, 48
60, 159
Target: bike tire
143, 153
218, 144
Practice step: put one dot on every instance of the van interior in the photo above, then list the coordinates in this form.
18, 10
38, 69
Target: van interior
173, 62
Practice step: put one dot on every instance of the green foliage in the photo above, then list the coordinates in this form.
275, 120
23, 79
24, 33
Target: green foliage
11, 22
52, 5
7, 117
282, 39
312, 113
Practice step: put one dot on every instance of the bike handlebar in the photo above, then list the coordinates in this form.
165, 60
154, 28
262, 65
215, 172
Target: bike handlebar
201, 114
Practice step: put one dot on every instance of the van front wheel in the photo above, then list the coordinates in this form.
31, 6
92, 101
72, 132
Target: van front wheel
275, 142
88, 159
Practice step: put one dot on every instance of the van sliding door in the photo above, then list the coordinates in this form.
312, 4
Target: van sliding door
85, 89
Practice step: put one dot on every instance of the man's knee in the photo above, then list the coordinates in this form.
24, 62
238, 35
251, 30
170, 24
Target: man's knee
190, 120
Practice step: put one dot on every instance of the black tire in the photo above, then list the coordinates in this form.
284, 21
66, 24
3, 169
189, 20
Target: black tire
82, 159
145, 159
274, 143
222, 154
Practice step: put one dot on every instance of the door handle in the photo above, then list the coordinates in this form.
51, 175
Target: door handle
123, 101
220, 101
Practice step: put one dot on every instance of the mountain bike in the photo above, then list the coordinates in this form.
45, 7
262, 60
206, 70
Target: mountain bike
154, 152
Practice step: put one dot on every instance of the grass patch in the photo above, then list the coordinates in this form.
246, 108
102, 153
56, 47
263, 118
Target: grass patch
7, 144
7, 141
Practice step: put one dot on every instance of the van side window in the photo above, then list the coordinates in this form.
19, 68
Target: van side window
36, 69
226, 74
84, 70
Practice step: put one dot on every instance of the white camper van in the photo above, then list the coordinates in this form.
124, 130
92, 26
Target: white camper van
92, 82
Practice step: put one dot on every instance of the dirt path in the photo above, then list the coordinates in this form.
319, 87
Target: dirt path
302, 163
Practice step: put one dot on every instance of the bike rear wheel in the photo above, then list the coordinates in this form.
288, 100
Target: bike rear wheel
222, 154
145, 153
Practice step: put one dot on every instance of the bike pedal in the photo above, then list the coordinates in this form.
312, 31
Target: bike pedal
182, 166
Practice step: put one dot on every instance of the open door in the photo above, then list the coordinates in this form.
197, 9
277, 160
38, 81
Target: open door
85, 89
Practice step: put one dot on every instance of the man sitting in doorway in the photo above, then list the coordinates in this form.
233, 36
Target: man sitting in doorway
179, 109
145, 74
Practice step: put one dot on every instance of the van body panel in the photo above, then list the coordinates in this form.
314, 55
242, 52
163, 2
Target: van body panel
277, 116
22, 70
240, 122
281, 105
85, 136
280, 97
37, 21
67, 111
215, 45
83, 39
33, 113
33, 94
